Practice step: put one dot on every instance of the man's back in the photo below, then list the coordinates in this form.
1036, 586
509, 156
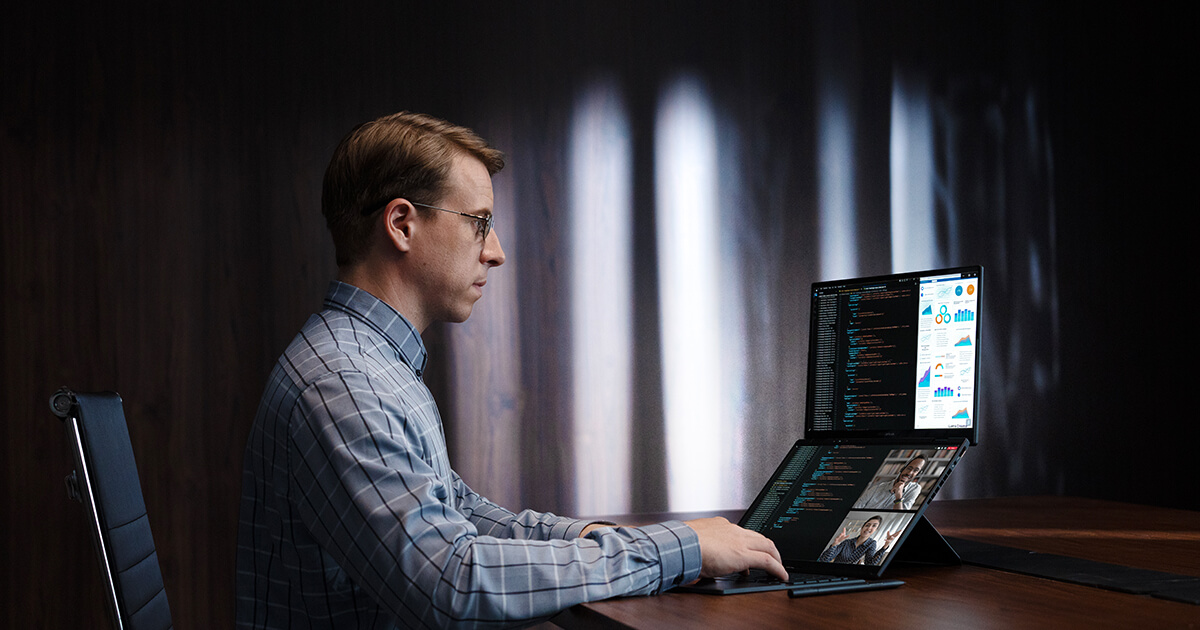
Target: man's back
283, 573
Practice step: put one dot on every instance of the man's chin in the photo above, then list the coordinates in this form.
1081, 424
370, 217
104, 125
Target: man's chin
460, 315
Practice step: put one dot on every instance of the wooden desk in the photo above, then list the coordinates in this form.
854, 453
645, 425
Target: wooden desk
965, 596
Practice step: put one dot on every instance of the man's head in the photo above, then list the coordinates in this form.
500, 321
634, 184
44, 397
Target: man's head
404, 155
911, 469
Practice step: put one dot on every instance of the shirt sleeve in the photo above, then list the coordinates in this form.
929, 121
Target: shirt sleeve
831, 552
911, 492
367, 490
492, 520
874, 555
869, 499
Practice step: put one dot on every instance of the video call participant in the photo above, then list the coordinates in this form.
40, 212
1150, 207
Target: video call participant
351, 516
898, 494
861, 549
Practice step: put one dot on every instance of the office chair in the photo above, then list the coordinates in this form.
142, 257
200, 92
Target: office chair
105, 480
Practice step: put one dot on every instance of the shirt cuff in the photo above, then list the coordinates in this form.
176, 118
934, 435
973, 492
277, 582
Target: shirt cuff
678, 552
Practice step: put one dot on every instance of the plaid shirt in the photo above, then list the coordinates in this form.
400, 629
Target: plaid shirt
352, 518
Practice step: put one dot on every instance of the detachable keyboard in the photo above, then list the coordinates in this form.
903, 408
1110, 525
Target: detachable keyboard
758, 576
757, 580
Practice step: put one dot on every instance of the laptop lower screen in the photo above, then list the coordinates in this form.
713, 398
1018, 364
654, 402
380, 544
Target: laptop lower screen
852, 504
895, 356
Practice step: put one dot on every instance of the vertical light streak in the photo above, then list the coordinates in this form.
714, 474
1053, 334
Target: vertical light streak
835, 188
912, 174
600, 172
688, 250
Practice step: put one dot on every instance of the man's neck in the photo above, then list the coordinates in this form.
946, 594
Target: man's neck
388, 288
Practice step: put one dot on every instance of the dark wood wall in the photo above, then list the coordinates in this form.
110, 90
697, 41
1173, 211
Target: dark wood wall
161, 232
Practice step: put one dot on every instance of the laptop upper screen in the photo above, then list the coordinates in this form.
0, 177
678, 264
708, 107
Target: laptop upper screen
895, 356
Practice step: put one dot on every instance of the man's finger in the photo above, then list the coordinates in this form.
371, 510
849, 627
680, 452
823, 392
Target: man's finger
772, 565
766, 545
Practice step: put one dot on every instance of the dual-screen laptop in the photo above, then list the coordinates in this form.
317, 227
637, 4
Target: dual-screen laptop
893, 376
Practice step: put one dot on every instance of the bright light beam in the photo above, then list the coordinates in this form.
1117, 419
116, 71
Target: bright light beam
912, 174
600, 171
685, 159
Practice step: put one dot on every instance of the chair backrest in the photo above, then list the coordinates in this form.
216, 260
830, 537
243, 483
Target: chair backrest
105, 480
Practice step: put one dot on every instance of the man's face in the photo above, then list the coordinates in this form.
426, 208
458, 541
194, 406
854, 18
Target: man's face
452, 260
910, 472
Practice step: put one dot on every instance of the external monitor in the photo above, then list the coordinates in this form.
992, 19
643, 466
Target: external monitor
896, 356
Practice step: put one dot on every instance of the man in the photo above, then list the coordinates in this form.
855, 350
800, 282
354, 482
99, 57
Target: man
351, 515
899, 493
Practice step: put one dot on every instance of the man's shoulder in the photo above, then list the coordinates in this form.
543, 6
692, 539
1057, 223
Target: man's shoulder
335, 327
331, 342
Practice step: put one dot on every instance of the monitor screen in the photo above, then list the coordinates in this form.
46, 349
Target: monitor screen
849, 503
895, 356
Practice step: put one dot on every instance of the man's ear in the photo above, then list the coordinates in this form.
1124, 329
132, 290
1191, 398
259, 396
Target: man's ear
399, 219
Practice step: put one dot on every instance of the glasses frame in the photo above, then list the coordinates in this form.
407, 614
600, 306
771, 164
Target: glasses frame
486, 222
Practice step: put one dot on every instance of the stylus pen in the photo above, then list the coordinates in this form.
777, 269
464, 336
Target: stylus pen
843, 588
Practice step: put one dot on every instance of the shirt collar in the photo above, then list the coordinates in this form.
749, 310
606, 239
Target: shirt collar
382, 317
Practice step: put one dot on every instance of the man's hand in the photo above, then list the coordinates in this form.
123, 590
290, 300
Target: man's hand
726, 548
898, 490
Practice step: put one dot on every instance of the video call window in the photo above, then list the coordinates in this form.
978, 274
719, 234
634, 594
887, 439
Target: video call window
904, 479
865, 537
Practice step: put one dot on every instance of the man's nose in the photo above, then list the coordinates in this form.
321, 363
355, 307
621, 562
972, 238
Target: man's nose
492, 254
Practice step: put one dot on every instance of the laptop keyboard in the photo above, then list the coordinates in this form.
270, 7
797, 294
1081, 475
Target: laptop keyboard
758, 576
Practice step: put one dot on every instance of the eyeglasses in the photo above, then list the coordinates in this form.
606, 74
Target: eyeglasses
485, 222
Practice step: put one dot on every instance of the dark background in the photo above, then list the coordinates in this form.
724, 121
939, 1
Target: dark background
161, 232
